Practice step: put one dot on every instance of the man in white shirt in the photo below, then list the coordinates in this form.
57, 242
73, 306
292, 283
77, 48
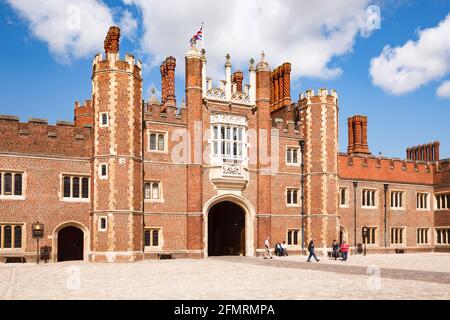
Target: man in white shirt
283, 248
267, 246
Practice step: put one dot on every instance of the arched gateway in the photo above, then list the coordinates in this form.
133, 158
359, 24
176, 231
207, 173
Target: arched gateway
226, 230
70, 242
229, 226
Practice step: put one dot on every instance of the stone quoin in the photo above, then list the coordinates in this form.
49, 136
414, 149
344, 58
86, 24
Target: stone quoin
213, 174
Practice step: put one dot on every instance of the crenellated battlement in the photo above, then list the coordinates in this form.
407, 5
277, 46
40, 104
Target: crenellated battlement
84, 114
38, 137
156, 111
287, 128
366, 167
112, 62
311, 95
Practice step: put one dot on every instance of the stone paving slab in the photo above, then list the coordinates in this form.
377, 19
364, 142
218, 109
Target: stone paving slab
215, 278
404, 274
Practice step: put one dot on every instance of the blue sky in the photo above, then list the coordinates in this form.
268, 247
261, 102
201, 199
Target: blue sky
38, 81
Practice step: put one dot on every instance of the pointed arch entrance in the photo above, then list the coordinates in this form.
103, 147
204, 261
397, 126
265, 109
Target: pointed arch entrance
228, 224
226, 229
70, 242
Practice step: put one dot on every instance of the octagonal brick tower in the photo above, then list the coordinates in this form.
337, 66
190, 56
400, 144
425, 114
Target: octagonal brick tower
319, 118
116, 192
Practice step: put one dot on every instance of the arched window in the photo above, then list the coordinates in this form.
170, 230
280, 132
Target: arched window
66, 187
18, 184
152, 141
160, 142
155, 190
7, 237
147, 238
343, 200
155, 238
147, 191
8, 183
76, 187
85, 188
18, 237
152, 237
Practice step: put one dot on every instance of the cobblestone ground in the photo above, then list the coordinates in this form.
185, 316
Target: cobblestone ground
411, 276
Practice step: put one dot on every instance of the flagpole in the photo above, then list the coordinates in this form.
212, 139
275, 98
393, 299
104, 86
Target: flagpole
203, 36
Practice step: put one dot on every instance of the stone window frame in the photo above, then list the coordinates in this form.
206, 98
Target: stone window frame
12, 196
158, 133
346, 195
13, 232
419, 236
446, 231
99, 223
445, 200
104, 125
242, 145
291, 189
160, 238
100, 176
290, 148
428, 201
291, 239
375, 243
403, 235
376, 195
71, 176
402, 200
160, 199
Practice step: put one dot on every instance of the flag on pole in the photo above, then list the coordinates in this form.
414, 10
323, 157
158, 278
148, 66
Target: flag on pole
198, 36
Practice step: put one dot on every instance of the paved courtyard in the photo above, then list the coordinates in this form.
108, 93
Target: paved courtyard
409, 276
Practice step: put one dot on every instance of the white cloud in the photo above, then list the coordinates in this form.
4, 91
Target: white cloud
128, 25
72, 29
308, 33
444, 90
405, 68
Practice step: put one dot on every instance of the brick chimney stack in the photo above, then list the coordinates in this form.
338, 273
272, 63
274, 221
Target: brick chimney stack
163, 70
280, 73
171, 63
238, 76
286, 84
357, 135
426, 152
275, 79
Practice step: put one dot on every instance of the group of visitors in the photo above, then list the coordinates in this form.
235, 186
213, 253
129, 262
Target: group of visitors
280, 249
339, 250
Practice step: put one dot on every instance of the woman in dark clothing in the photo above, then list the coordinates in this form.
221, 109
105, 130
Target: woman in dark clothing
312, 253
335, 247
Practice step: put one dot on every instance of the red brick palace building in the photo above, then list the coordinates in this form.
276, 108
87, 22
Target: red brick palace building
213, 175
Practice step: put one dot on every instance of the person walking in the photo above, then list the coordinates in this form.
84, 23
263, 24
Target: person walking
267, 246
312, 253
335, 247
344, 250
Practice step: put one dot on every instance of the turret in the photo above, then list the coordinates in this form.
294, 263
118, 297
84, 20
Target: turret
195, 63
117, 186
263, 163
319, 118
